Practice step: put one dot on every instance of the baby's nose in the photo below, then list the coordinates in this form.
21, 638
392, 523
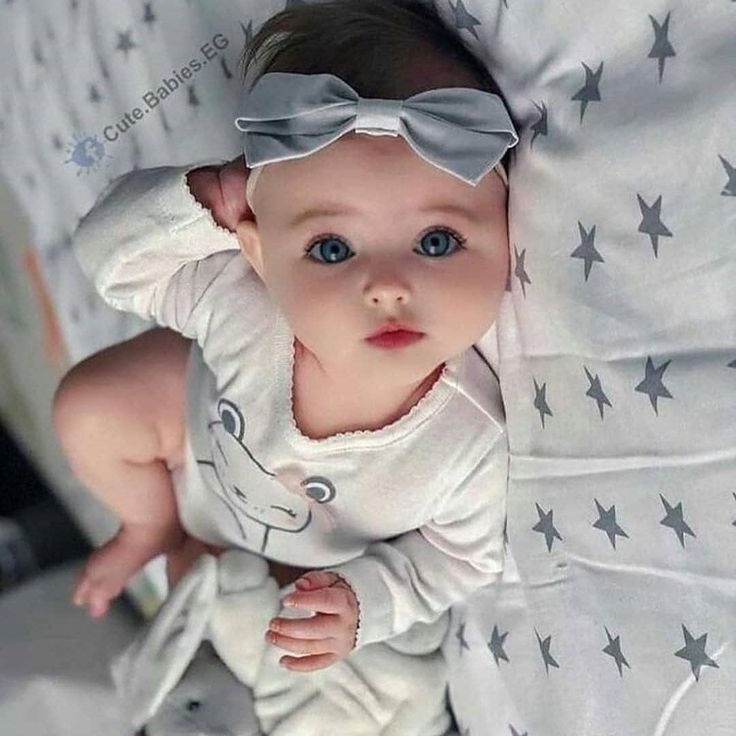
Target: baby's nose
388, 292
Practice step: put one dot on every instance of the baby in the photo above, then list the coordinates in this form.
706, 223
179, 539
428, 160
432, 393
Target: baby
334, 414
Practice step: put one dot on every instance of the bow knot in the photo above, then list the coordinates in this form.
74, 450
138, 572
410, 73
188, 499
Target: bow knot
378, 117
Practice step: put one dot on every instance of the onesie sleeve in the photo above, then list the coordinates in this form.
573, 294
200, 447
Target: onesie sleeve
416, 576
151, 248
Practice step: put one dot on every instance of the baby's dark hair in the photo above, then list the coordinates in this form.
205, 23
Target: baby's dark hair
370, 44
381, 48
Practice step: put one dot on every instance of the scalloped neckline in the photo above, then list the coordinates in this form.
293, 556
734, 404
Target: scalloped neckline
441, 391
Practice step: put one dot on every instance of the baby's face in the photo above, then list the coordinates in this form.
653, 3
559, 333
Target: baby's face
385, 254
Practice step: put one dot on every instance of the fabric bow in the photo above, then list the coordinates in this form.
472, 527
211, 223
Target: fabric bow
460, 130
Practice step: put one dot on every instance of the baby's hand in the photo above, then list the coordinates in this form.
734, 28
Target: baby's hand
327, 637
221, 189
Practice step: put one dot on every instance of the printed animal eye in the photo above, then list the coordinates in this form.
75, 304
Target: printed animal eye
232, 419
319, 489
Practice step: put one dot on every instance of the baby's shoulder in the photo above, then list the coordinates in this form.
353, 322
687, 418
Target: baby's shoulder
479, 391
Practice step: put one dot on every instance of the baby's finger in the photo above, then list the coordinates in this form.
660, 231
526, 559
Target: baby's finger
316, 579
81, 591
301, 646
310, 663
321, 626
324, 600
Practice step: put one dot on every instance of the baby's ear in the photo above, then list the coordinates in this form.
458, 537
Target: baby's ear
250, 244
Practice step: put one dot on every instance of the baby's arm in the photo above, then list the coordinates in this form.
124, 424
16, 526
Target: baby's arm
416, 576
151, 248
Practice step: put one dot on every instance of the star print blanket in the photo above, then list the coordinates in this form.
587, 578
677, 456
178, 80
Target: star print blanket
617, 612
617, 344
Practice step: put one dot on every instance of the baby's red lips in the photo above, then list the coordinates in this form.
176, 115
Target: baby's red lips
394, 327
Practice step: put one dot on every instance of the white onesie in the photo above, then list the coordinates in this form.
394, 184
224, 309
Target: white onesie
411, 515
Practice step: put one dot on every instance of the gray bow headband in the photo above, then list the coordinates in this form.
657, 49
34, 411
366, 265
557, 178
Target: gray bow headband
460, 130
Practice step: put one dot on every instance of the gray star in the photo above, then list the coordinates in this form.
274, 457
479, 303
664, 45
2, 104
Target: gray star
192, 99
651, 222
125, 43
675, 521
652, 383
37, 55
460, 636
607, 522
613, 648
103, 68
589, 92
520, 270
49, 30
514, 732
544, 646
223, 65
164, 122
694, 652
732, 364
662, 48
540, 401
730, 189
540, 127
546, 526
94, 95
247, 31
148, 15
56, 141
596, 392
496, 644
463, 19
586, 250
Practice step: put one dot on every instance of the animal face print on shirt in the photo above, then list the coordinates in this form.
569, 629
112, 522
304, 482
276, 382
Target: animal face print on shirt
284, 501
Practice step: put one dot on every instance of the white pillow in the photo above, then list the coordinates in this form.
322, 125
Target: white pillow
617, 346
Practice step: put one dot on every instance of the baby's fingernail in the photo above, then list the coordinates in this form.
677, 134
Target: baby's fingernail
289, 602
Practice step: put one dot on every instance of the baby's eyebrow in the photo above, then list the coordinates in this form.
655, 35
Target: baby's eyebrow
329, 209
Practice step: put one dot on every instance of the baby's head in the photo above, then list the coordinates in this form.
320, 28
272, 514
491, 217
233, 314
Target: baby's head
391, 252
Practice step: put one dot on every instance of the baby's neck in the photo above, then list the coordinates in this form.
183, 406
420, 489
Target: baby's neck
322, 408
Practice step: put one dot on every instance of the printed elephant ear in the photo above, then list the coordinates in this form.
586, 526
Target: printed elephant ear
151, 666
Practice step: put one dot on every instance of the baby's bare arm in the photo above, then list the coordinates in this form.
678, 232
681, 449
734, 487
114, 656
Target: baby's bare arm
119, 418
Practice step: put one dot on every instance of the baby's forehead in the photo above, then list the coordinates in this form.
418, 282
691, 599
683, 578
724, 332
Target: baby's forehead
361, 173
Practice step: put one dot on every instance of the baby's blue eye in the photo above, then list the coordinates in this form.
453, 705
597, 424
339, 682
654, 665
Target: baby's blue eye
437, 242
332, 249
